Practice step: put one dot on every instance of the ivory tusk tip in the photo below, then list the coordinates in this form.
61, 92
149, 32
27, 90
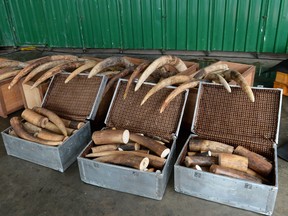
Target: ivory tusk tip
137, 87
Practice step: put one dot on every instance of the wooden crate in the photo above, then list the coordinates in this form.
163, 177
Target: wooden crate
281, 78
281, 86
247, 71
33, 97
10, 100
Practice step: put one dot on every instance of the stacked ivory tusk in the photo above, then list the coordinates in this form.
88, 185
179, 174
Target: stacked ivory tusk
128, 149
171, 69
43, 126
223, 159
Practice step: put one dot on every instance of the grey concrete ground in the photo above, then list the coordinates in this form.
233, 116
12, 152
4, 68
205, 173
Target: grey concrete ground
30, 189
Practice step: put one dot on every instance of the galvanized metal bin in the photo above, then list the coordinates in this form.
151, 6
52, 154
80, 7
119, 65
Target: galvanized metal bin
130, 115
238, 193
65, 99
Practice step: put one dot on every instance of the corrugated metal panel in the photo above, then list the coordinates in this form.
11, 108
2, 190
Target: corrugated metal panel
141, 22
219, 25
256, 23
193, 25
6, 34
62, 23
187, 24
100, 23
28, 22
276, 34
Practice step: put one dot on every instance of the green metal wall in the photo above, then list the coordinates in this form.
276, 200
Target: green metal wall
6, 33
192, 25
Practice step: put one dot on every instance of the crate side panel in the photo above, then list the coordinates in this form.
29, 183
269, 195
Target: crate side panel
36, 153
69, 151
118, 178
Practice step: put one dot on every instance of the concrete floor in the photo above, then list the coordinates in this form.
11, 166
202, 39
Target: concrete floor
30, 189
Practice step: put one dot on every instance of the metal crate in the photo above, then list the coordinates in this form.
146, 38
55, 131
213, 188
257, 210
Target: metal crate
151, 185
59, 98
238, 193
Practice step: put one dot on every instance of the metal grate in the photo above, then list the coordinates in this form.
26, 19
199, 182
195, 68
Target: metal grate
73, 100
128, 114
232, 119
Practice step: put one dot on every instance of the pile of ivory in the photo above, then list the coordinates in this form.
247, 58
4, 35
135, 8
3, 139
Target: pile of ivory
223, 159
43, 126
166, 70
133, 150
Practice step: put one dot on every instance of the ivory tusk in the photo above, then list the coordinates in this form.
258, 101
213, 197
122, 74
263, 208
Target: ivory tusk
173, 60
135, 73
9, 74
34, 118
240, 80
109, 62
178, 91
155, 161
111, 82
110, 136
133, 161
166, 82
12, 63
52, 117
56, 70
86, 66
42, 68
224, 83
151, 144
38, 62
21, 132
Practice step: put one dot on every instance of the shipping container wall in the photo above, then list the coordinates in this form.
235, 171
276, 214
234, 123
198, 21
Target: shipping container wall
6, 32
188, 25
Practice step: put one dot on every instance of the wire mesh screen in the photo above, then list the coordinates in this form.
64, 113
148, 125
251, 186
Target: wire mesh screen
232, 119
73, 100
146, 119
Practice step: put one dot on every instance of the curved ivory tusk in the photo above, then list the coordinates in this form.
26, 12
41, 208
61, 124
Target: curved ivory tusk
41, 68
173, 60
56, 70
210, 69
166, 82
135, 73
9, 74
86, 66
36, 63
178, 91
21, 132
8, 69
224, 83
123, 73
12, 63
240, 80
109, 62
52, 117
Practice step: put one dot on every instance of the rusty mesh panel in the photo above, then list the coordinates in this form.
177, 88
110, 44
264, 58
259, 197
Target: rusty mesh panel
231, 118
128, 114
73, 100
